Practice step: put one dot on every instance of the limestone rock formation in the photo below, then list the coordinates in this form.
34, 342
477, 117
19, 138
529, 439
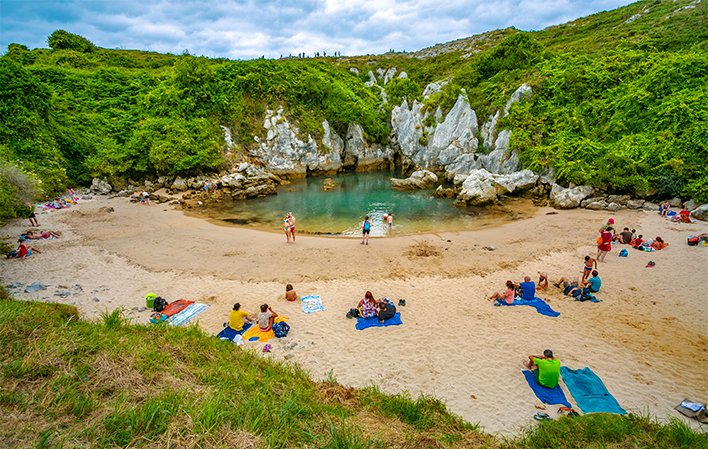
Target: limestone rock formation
100, 186
701, 212
481, 186
421, 179
568, 198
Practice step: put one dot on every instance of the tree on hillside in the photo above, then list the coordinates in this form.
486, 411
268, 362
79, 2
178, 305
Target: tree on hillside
63, 40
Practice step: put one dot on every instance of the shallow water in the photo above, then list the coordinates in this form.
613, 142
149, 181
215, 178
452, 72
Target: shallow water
341, 211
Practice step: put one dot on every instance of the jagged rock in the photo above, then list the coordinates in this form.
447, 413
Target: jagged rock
635, 204
596, 205
255, 191
148, 185
100, 186
568, 198
122, 194
354, 70
614, 206
690, 204
434, 88
701, 212
443, 192
402, 75
619, 199
372, 79
179, 184
327, 184
482, 187
389, 74
523, 92
675, 202
650, 206
498, 161
162, 181
595, 199
227, 137
421, 179
365, 157
233, 180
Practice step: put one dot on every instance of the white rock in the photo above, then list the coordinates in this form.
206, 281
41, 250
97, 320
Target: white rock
568, 198
100, 186
179, 184
701, 212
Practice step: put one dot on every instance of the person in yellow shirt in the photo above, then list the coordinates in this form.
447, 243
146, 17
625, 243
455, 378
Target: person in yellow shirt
238, 317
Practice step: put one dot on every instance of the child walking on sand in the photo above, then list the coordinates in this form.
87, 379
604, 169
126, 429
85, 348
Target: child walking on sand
590, 263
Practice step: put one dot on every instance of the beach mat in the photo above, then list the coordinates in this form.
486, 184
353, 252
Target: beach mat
364, 323
589, 392
256, 334
186, 315
176, 307
544, 394
312, 304
540, 305
229, 334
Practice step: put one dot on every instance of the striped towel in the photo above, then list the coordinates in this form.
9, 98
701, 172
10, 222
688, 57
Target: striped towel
187, 314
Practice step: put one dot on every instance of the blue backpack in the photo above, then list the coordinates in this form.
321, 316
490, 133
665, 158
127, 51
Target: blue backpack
367, 225
624, 253
281, 329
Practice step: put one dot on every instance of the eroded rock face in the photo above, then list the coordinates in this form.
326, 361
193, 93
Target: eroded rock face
482, 187
701, 212
179, 184
568, 198
421, 179
100, 186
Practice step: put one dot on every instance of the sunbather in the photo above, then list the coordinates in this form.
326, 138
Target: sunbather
684, 216
368, 307
507, 296
290, 293
386, 310
36, 235
266, 318
570, 288
238, 317
546, 368
659, 243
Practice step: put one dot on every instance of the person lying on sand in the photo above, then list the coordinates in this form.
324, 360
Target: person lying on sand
238, 317
290, 293
546, 368
36, 235
659, 243
386, 310
266, 318
368, 306
22, 251
569, 288
507, 296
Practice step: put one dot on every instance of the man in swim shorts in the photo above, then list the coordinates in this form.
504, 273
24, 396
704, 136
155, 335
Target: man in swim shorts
291, 220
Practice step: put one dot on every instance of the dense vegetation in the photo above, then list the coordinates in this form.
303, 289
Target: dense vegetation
68, 383
621, 102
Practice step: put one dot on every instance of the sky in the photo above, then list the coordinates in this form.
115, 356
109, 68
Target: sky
246, 29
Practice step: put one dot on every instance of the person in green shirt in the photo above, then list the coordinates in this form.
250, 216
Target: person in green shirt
545, 368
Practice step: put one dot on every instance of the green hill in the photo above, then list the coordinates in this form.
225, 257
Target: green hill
620, 102
69, 383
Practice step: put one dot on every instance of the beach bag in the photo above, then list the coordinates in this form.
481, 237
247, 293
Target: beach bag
281, 329
624, 252
353, 313
693, 241
150, 300
159, 304
599, 240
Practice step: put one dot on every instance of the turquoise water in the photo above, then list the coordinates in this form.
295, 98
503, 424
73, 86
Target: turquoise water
340, 211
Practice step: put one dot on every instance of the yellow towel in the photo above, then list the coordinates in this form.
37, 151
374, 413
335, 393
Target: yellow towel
255, 331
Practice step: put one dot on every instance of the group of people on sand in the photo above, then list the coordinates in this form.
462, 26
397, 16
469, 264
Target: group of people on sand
683, 216
23, 250
239, 317
525, 290
608, 236
370, 307
289, 227
67, 200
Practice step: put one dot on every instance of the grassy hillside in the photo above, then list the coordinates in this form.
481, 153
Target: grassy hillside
621, 102
69, 383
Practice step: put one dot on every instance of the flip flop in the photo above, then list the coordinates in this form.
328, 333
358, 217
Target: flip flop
541, 416
651, 264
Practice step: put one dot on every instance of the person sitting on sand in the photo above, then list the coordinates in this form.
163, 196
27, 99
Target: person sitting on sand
542, 281
664, 208
569, 288
659, 243
684, 216
290, 293
528, 289
22, 251
590, 263
507, 296
546, 368
238, 317
368, 307
266, 318
625, 237
593, 284
638, 242
386, 310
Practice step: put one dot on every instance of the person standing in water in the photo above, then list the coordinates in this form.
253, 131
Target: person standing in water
365, 230
389, 220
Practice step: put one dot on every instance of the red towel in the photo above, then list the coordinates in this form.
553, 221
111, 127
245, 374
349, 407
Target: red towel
176, 307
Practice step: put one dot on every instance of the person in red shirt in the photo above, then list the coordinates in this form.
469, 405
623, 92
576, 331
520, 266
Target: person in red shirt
604, 243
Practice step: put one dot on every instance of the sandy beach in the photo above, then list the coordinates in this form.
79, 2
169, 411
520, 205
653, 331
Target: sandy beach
647, 339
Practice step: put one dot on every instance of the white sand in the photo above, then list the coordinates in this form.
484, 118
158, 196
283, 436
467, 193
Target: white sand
647, 340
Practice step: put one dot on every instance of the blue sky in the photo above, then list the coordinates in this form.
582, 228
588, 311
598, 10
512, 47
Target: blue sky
244, 29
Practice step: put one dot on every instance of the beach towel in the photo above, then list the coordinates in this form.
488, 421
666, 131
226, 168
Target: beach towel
183, 317
589, 392
256, 334
364, 323
312, 304
540, 305
176, 307
544, 394
229, 334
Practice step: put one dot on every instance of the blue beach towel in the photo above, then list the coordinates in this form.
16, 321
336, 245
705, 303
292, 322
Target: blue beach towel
312, 304
183, 317
363, 323
228, 334
546, 395
540, 305
589, 392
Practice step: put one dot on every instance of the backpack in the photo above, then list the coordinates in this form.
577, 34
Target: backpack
281, 329
367, 225
624, 252
159, 304
693, 241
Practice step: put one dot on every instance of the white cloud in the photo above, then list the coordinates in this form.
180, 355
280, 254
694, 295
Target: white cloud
250, 28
